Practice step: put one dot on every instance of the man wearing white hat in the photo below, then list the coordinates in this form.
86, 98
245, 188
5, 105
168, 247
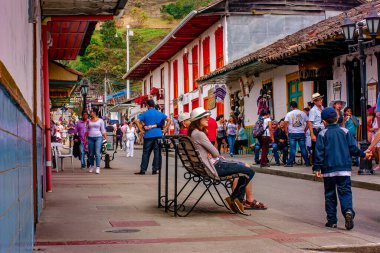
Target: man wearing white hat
338, 105
184, 123
315, 119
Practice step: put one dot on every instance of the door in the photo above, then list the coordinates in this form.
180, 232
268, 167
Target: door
295, 89
353, 86
321, 88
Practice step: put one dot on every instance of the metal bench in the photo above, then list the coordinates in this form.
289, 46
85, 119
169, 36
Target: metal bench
196, 171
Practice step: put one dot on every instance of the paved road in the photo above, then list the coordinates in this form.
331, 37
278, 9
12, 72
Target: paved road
304, 200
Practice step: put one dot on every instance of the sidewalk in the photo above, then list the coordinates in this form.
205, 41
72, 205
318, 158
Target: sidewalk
116, 211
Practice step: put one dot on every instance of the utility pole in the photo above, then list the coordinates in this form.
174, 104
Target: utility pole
129, 33
105, 95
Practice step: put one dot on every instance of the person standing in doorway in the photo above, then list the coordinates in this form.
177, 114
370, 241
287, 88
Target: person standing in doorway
315, 120
231, 134
81, 131
96, 134
297, 123
151, 132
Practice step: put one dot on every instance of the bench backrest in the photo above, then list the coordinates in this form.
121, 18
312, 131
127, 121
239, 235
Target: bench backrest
190, 157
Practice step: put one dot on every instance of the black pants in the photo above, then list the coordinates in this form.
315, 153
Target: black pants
119, 139
220, 142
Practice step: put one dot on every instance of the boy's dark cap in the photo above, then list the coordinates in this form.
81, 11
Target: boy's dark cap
329, 113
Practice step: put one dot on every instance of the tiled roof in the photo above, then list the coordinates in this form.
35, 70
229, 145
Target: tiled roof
300, 41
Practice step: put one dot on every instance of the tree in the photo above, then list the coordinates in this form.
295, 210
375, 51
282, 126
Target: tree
108, 36
181, 8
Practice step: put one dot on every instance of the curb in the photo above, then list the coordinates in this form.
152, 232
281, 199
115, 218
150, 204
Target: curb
310, 177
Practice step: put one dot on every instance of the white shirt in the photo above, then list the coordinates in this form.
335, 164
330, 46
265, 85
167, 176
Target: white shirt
297, 120
266, 127
130, 131
315, 117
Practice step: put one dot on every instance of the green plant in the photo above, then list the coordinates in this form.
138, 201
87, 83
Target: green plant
181, 8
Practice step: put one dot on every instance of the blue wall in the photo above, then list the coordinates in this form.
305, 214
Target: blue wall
16, 178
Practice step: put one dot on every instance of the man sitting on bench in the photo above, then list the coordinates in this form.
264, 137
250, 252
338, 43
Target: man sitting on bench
216, 163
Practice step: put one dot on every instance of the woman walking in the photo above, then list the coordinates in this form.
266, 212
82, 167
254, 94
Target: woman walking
231, 134
130, 131
96, 133
221, 131
216, 163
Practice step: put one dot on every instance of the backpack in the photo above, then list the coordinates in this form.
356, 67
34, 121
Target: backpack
258, 129
119, 132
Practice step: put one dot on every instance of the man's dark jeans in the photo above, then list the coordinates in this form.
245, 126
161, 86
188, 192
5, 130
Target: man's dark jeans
150, 144
226, 168
301, 139
343, 185
282, 148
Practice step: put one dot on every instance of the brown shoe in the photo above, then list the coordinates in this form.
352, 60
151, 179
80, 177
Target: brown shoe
239, 206
231, 204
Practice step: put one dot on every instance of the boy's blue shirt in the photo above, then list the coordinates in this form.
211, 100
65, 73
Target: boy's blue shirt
334, 148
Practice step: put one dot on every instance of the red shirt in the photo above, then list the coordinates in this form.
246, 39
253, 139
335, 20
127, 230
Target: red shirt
183, 131
212, 129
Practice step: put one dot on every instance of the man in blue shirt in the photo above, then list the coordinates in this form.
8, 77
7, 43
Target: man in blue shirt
151, 131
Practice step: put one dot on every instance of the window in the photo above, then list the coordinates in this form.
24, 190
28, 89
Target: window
194, 103
219, 47
144, 88
162, 78
150, 83
186, 108
175, 111
194, 61
206, 55
175, 78
186, 73
219, 108
205, 103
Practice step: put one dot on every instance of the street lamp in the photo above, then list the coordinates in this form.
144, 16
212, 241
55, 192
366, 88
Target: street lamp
128, 34
84, 91
349, 28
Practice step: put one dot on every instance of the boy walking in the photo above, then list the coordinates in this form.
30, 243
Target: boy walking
334, 148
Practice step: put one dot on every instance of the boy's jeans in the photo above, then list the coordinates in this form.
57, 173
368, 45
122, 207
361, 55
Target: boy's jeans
150, 144
343, 184
82, 155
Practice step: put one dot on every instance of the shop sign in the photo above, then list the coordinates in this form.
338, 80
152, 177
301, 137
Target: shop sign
211, 99
318, 74
316, 71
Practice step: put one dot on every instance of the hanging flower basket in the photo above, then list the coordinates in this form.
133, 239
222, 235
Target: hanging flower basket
142, 100
154, 91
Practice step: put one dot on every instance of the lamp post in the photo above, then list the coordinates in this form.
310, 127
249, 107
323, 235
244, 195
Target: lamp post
349, 28
128, 34
84, 91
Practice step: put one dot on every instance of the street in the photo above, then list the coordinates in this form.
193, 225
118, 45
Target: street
116, 212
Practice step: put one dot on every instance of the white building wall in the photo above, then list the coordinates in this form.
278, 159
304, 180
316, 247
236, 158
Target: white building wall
17, 35
280, 93
340, 74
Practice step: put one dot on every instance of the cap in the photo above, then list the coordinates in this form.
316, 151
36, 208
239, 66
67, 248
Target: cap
328, 113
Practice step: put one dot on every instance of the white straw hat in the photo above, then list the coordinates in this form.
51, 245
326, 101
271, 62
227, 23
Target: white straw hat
183, 116
336, 101
199, 113
316, 96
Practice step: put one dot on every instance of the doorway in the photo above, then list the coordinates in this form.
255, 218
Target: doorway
295, 90
321, 88
353, 86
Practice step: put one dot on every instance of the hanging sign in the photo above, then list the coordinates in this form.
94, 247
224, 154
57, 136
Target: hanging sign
211, 99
